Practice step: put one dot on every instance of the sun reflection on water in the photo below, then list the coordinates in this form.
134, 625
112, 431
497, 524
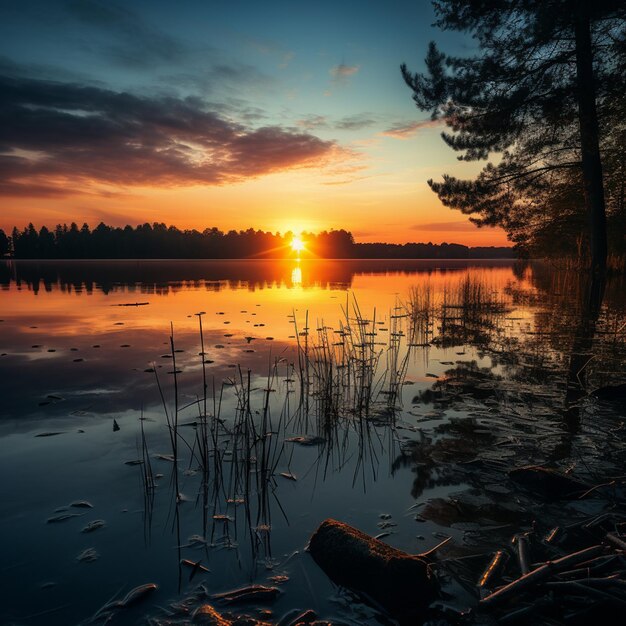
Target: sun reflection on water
296, 276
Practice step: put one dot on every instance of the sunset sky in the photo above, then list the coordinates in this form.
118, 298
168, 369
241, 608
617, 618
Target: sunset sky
235, 114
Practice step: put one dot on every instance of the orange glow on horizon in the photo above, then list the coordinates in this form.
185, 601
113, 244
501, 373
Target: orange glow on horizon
405, 213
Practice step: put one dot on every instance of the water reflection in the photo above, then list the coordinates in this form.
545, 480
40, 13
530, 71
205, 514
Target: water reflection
162, 276
296, 276
404, 400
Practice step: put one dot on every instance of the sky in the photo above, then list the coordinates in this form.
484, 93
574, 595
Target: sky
235, 114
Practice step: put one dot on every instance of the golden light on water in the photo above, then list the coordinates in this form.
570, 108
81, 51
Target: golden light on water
296, 276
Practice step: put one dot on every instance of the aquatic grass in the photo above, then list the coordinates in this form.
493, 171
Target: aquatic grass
466, 311
615, 263
238, 459
338, 368
421, 309
398, 355
343, 385
148, 483
227, 444
353, 388
340, 378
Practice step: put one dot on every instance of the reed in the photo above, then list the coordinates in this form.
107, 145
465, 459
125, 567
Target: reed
148, 483
464, 312
344, 383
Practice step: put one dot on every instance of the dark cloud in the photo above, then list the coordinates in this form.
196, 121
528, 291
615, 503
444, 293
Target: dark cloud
53, 131
225, 77
8, 67
126, 39
132, 41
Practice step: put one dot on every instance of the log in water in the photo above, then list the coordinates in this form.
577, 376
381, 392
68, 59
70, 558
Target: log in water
402, 583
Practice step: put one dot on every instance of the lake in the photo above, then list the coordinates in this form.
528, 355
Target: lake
156, 414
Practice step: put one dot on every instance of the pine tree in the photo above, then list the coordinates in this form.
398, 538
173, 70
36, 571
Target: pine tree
540, 100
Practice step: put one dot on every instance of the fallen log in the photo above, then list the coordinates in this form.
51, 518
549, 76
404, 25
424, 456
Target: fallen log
252, 593
492, 569
401, 583
298, 618
522, 553
540, 574
617, 541
206, 614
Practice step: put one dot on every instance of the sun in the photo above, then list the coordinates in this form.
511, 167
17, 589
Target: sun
297, 245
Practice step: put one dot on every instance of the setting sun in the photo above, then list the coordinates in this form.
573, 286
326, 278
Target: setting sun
297, 245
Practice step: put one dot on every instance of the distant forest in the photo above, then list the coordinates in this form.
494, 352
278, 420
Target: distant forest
159, 241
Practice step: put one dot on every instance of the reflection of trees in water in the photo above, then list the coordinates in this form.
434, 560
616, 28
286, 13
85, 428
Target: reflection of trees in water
465, 450
434, 458
516, 407
154, 276
342, 397
568, 316
579, 335
531, 402
468, 311
162, 277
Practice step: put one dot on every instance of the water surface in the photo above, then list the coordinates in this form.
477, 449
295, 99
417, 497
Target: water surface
418, 384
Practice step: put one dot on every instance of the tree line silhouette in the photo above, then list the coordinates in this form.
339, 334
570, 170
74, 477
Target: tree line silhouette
159, 241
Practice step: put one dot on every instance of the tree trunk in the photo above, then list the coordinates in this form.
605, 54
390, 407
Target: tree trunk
589, 137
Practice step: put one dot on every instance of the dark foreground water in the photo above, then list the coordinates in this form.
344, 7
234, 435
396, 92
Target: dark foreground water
394, 396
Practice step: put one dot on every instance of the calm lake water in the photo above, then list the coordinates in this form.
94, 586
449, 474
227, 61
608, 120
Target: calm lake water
391, 395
